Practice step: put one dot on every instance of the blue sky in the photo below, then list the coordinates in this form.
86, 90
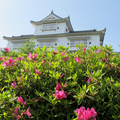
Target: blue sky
15, 16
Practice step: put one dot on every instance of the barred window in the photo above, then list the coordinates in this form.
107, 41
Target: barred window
47, 44
51, 26
17, 45
73, 42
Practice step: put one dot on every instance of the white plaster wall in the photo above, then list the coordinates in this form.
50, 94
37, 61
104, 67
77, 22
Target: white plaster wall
95, 40
10, 45
63, 41
65, 29
62, 29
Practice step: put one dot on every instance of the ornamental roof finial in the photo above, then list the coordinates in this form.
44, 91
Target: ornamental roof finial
52, 12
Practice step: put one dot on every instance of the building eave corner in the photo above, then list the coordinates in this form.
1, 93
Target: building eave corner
32, 22
102, 36
69, 24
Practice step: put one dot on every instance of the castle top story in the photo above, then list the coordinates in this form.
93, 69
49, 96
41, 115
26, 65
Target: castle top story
52, 24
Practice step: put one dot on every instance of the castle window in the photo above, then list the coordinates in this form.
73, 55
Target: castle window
16, 45
73, 42
89, 42
47, 44
55, 43
50, 26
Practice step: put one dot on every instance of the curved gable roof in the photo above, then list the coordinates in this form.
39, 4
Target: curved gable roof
53, 18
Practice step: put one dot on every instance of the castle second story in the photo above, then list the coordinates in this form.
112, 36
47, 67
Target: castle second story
52, 24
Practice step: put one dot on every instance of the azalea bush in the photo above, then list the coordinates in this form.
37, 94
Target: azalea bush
59, 85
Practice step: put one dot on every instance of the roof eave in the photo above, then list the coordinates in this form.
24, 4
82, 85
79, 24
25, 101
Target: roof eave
50, 21
101, 33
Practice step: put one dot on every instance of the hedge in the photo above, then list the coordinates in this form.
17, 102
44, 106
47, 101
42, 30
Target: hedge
59, 85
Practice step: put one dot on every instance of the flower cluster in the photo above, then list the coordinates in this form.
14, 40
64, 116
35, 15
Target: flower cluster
39, 72
86, 114
1, 58
7, 49
20, 99
9, 62
19, 58
77, 59
60, 94
32, 57
14, 84
18, 114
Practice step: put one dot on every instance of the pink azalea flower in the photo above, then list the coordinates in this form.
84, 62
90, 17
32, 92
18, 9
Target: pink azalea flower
16, 110
68, 94
1, 58
37, 72
28, 112
86, 114
80, 113
89, 113
98, 51
60, 94
20, 81
26, 71
63, 53
5, 64
35, 56
62, 75
6, 57
77, 59
14, 84
38, 99
21, 86
65, 84
25, 102
19, 58
54, 53
20, 99
50, 63
35, 99
21, 113
17, 117
9, 62
58, 86
7, 49
33, 61
44, 61
66, 58
84, 49
30, 56
41, 73
106, 59
89, 80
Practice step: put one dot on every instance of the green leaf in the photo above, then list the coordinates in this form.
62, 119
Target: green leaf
12, 99
68, 117
88, 73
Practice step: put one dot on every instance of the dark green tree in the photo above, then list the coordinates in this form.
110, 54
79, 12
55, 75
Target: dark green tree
27, 47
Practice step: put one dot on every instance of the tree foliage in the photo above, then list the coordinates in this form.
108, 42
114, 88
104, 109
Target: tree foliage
27, 47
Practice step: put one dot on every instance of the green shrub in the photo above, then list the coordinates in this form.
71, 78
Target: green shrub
89, 78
